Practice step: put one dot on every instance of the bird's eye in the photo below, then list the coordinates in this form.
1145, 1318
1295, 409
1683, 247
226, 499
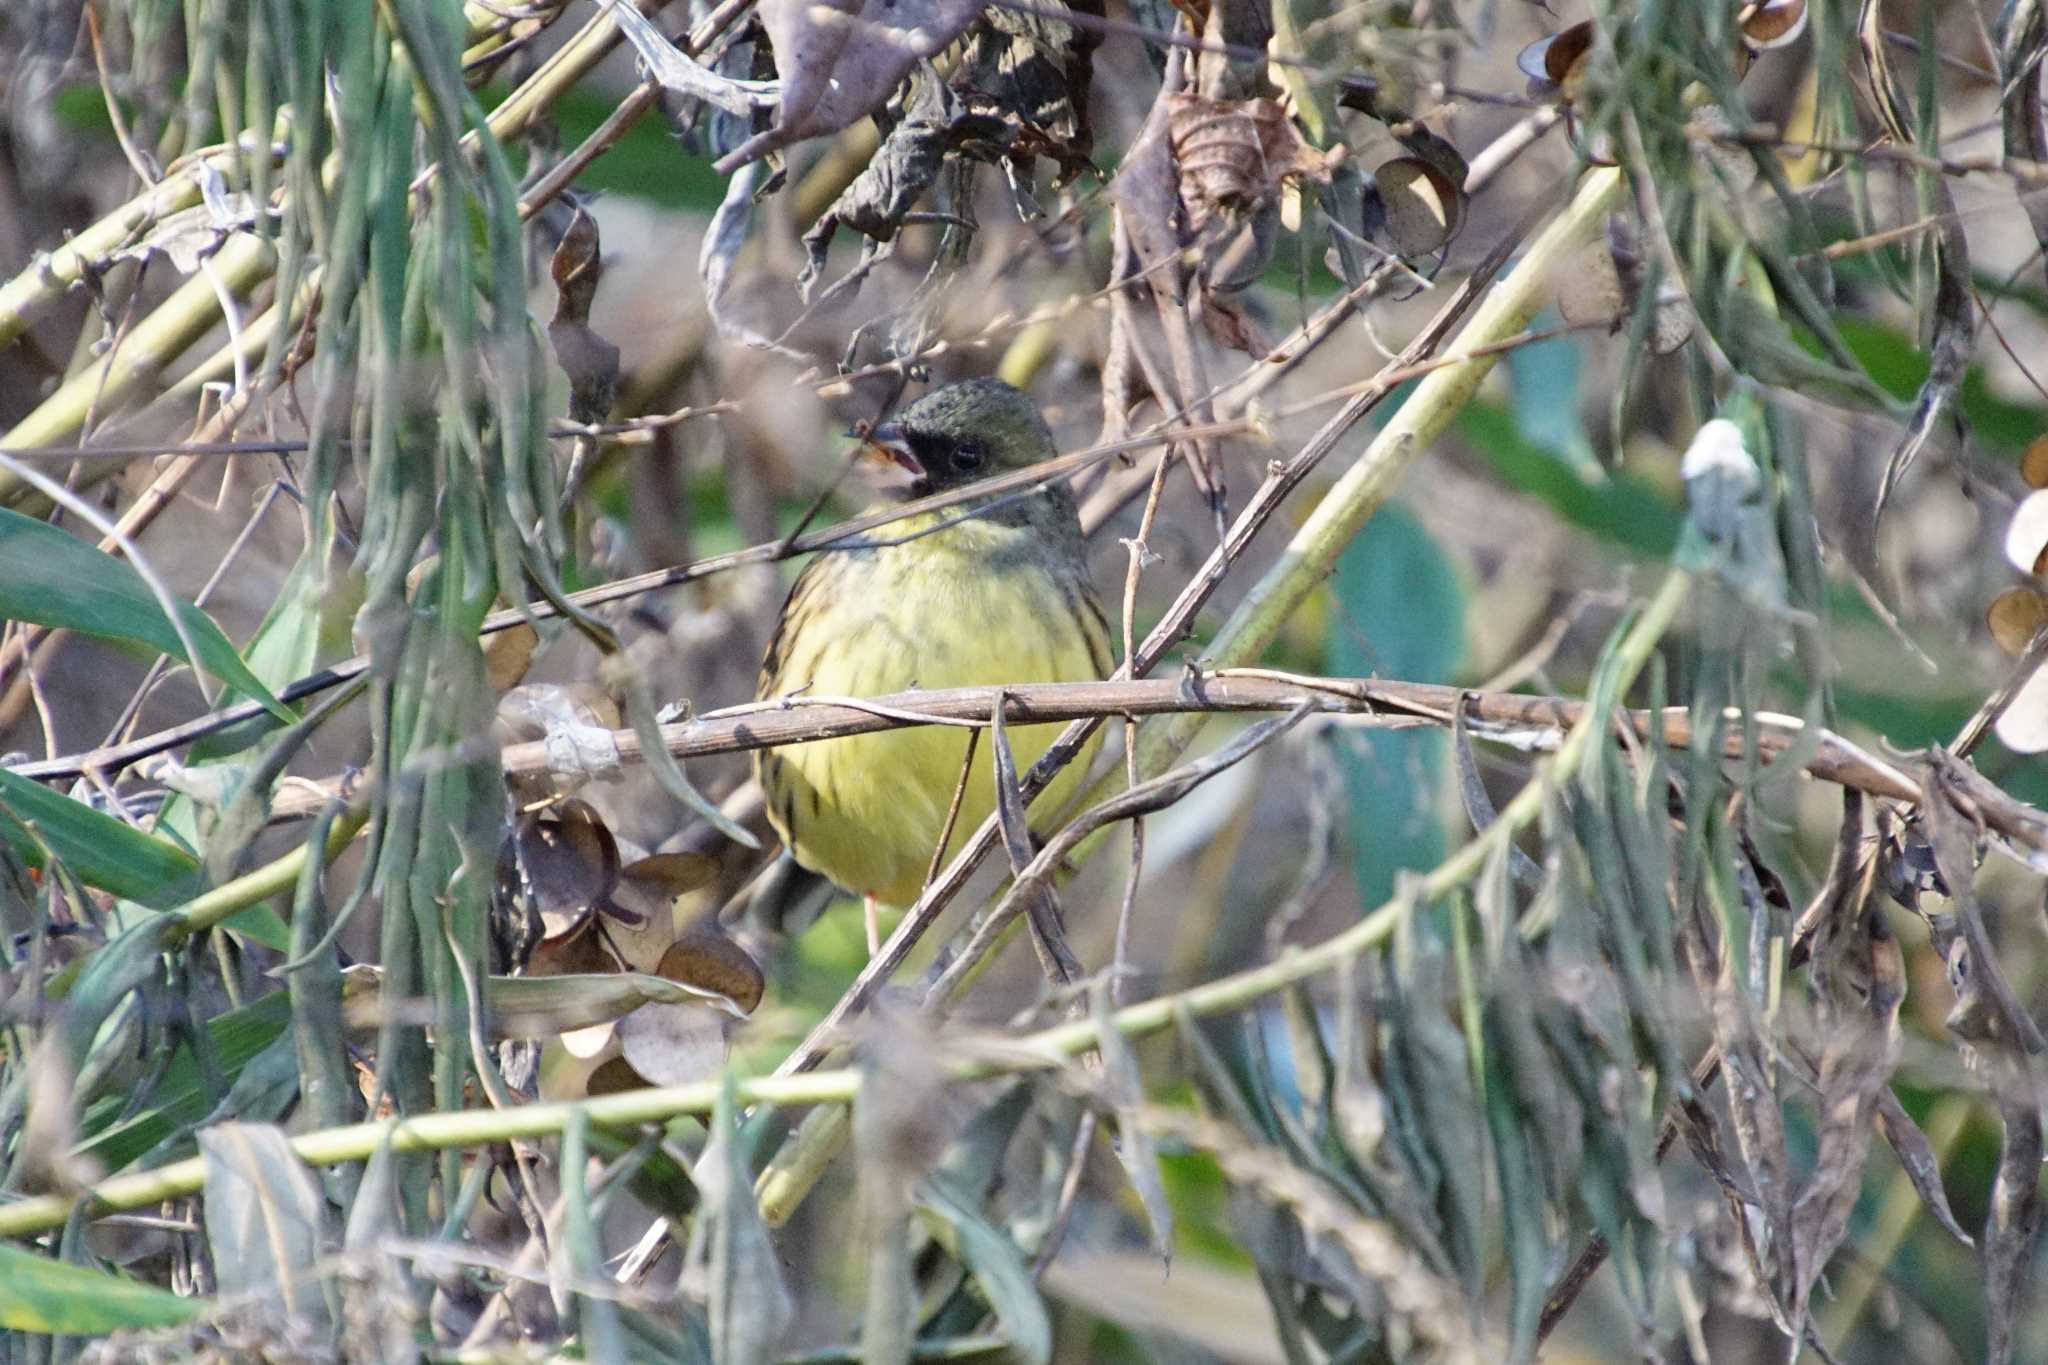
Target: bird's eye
969, 456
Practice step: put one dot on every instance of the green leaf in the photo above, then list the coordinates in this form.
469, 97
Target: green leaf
38, 1294
53, 579
750, 1307
1416, 631
266, 1221
1618, 508
1546, 384
1135, 1148
182, 1098
996, 1264
103, 851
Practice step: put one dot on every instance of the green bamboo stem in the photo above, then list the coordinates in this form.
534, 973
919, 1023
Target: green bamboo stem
243, 263
1047, 1048
1311, 555
188, 314
1308, 560
273, 878
50, 276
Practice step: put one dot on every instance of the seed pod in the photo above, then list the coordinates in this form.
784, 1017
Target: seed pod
2034, 463
2026, 536
1768, 24
2014, 616
1424, 208
1557, 65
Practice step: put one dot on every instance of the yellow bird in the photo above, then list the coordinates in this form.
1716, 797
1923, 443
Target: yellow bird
993, 591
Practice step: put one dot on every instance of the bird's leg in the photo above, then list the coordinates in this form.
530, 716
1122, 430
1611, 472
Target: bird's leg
874, 922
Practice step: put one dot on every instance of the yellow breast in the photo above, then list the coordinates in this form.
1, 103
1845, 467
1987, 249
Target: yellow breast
866, 810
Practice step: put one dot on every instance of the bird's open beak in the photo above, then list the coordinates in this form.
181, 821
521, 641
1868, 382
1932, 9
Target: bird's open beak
887, 461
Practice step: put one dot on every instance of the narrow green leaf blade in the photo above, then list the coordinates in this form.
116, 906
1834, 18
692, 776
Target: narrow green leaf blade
53, 579
103, 851
996, 1264
38, 1294
266, 1221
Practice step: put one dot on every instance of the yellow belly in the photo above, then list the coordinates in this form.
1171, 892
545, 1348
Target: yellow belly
866, 810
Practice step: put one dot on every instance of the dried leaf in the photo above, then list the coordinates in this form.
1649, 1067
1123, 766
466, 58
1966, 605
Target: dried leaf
266, 1223
1032, 68
673, 1044
1041, 907
898, 1136
378, 1281
562, 860
1423, 207
723, 241
1124, 1088
839, 60
2034, 466
731, 1255
45, 1160
704, 958
2015, 616
590, 361
580, 950
1916, 1157
1234, 154
676, 70
934, 123
1986, 1009
1859, 981
543, 1005
2014, 1223
1557, 65
2022, 39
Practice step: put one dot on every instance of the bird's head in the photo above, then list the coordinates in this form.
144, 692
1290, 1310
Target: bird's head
955, 435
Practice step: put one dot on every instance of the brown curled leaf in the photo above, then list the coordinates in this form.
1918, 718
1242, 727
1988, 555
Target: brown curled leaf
2014, 1223
1859, 978
1917, 1159
590, 361
1042, 908
840, 60
1234, 154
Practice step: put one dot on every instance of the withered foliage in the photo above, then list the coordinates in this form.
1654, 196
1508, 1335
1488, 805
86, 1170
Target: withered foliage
557, 1057
1018, 93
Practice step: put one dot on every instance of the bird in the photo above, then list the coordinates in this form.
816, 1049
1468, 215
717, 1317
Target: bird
994, 590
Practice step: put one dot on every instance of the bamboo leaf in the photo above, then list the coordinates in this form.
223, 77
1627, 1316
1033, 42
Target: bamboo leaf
751, 1307
41, 1295
997, 1266
266, 1221
544, 1006
53, 579
1134, 1147
104, 852
182, 1097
